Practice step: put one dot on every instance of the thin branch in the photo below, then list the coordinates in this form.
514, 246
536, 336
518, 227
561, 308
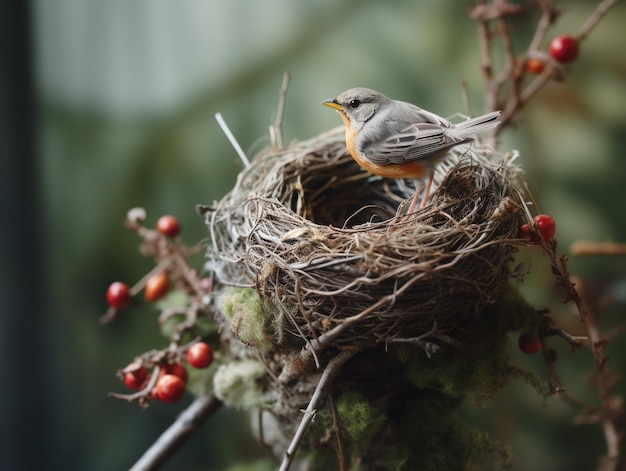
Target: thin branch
583, 248
548, 15
593, 20
331, 370
178, 433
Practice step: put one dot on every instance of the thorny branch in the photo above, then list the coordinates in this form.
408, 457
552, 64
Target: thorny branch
510, 90
610, 414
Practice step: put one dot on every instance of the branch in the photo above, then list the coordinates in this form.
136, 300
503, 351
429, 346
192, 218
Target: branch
587, 247
331, 370
611, 411
593, 20
177, 433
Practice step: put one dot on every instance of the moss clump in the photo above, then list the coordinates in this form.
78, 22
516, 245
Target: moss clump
236, 384
407, 431
360, 419
253, 322
480, 368
427, 433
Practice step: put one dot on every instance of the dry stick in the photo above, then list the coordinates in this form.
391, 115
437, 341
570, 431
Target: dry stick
587, 247
331, 370
177, 433
231, 138
276, 130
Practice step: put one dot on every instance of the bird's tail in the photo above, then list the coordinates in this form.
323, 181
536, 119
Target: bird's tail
475, 126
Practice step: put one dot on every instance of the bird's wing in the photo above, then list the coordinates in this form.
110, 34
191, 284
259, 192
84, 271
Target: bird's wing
415, 142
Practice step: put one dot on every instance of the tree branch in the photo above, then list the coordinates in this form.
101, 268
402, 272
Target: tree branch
178, 433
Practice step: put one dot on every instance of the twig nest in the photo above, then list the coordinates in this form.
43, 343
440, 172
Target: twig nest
308, 247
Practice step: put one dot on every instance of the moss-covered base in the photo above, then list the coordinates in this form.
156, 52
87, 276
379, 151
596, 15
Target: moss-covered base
395, 408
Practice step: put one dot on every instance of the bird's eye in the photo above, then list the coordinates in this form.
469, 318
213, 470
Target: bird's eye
354, 104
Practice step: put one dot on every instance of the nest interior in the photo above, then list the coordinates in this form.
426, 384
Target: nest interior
325, 248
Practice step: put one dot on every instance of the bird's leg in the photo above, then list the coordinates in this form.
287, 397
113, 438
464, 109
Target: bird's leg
415, 197
427, 192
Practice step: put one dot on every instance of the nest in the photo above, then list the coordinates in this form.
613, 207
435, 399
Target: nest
333, 260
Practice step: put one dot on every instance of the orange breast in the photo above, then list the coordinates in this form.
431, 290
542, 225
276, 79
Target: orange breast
404, 170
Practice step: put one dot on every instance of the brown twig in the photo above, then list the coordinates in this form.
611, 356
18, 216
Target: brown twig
593, 20
583, 248
176, 435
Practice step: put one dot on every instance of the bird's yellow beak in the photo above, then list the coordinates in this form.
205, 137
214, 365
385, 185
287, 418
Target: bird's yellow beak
333, 104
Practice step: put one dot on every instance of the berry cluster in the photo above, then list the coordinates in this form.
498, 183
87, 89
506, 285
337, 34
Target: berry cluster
171, 378
161, 374
543, 227
563, 49
164, 244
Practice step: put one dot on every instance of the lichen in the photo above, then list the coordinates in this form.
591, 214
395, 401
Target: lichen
236, 384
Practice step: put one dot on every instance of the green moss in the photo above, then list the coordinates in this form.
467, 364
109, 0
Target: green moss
480, 368
518, 313
359, 418
255, 322
237, 384
412, 430
242, 308
427, 433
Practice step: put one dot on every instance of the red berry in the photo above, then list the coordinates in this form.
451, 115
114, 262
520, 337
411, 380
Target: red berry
118, 295
546, 226
534, 65
200, 355
564, 48
136, 379
176, 370
168, 225
170, 388
527, 233
529, 344
157, 286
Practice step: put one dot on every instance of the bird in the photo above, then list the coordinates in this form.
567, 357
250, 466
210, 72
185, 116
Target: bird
396, 139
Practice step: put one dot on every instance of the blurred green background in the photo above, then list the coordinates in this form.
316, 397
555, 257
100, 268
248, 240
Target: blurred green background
123, 100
